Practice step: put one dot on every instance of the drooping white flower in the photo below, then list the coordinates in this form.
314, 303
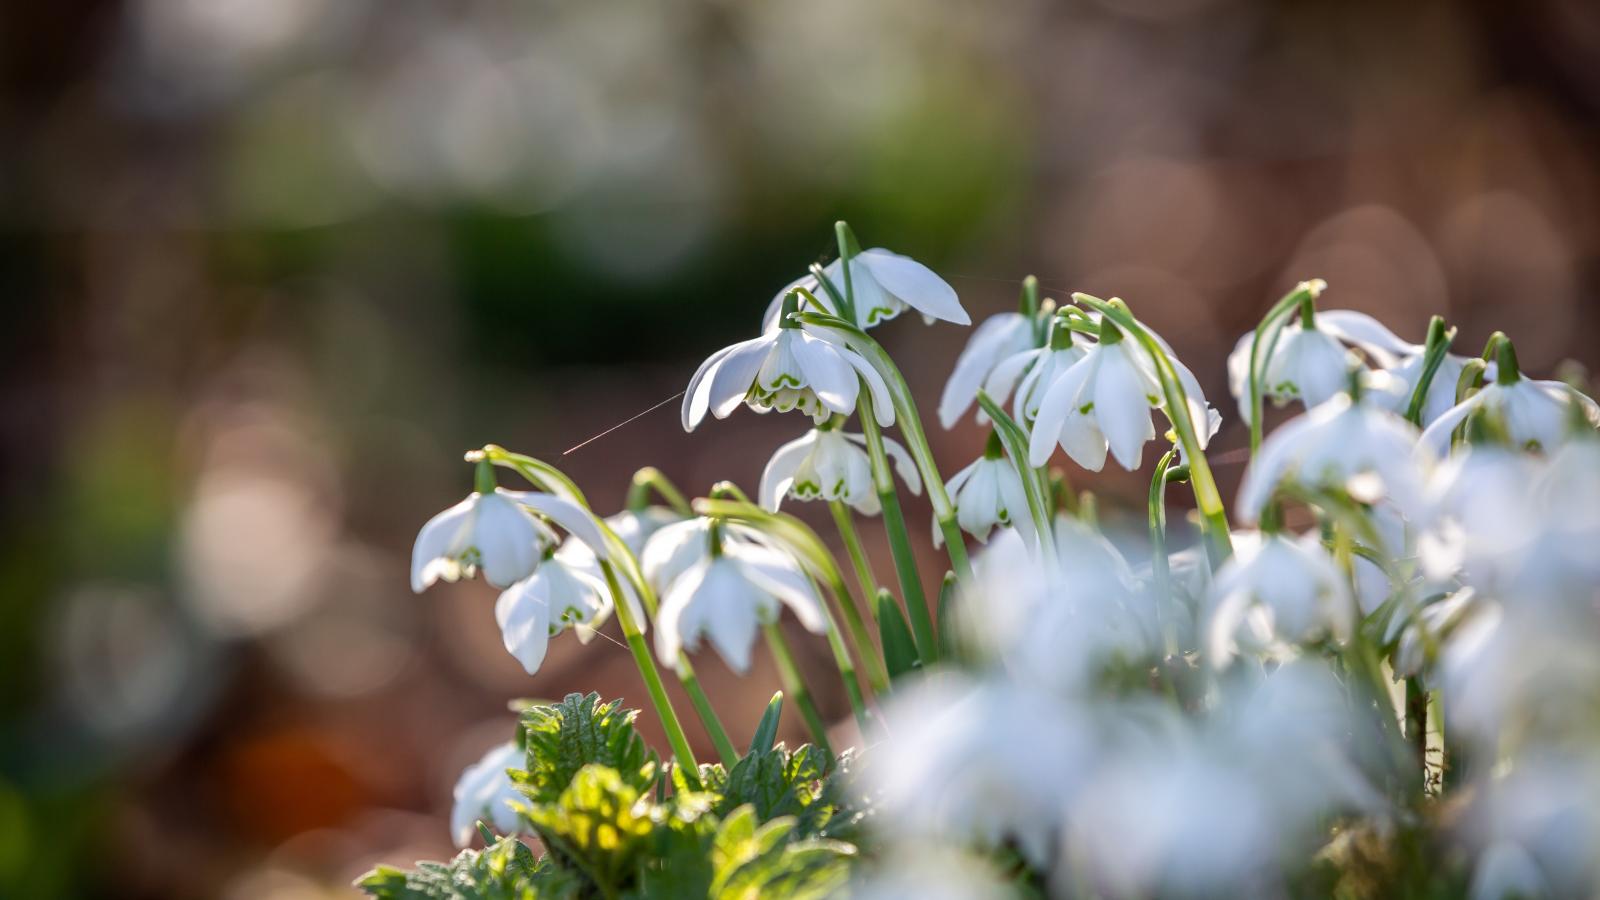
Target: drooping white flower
723, 582
484, 791
988, 493
981, 762
1105, 400
884, 284
1312, 365
632, 528
1032, 372
829, 464
999, 338
1358, 447
1535, 827
544, 604
785, 368
499, 534
1533, 413
1282, 590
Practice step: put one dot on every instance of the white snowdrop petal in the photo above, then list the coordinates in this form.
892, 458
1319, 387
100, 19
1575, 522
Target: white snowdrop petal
915, 285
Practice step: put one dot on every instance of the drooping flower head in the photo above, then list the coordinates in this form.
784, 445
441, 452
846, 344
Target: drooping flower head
1000, 338
884, 284
556, 596
1105, 400
988, 493
1308, 358
1278, 590
498, 532
828, 464
723, 581
785, 368
484, 791
1528, 413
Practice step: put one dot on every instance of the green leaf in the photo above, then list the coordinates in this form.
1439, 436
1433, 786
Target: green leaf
600, 822
767, 728
505, 870
899, 649
754, 861
580, 730
947, 623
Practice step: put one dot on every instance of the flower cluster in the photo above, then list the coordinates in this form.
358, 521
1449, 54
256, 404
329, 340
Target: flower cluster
1372, 674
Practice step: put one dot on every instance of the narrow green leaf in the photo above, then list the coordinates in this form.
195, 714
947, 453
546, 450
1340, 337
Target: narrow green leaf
899, 649
947, 629
767, 728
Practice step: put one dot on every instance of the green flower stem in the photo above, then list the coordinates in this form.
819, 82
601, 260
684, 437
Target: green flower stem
853, 547
1160, 570
1304, 292
894, 523
651, 478
1433, 354
1016, 444
539, 473
805, 544
794, 686
652, 678
910, 428
1219, 546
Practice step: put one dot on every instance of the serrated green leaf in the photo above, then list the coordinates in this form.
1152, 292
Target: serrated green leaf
600, 822
579, 731
505, 870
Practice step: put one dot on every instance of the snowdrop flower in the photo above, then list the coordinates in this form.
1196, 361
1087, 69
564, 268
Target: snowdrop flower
1536, 829
1105, 400
1057, 627
484, 791
544, 604
632, 528
1032, 372
1000, 337
1533, 413
497, 533
1283, 589
785, 368
1358, 447
1003, 760
723, 584
1311, 364
884, 284
828, 464
988, 493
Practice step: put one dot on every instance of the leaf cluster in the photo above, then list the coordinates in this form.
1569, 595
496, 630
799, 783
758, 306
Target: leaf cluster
617, 823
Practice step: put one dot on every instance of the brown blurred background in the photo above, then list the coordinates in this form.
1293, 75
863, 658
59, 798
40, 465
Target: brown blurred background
269, 266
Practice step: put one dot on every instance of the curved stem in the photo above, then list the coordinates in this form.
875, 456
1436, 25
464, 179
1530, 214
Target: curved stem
1305, 291
1016, 444
1437, 346
651, 478
652, 678
1160, 570
894, 524
794, 685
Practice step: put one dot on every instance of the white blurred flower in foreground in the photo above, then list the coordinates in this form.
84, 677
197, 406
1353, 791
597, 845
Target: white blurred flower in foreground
544, 604
497, 533
999, 338
783, 369
718, 581
1312, 365
932, 873
828, 464
1536, 828
1211, 809
884, 284
1281, 590
1057, 627
1105, 400
987, 493
1006, 761
484, 791
1361, 448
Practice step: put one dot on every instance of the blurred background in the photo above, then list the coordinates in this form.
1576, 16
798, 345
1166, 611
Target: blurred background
269, 266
